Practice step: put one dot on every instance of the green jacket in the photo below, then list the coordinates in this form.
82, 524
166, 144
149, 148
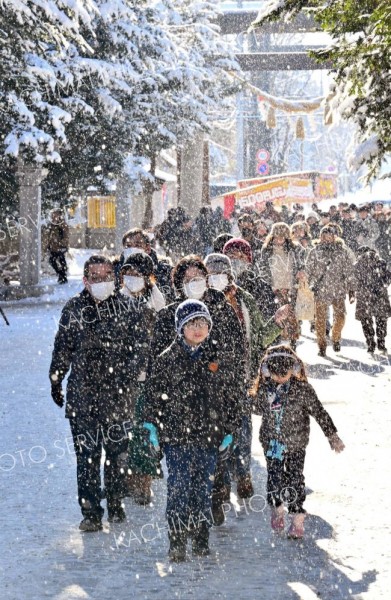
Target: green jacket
259, 332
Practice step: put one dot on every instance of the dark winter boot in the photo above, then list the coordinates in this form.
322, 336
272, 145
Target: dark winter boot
337, 346
200, 542
142, 489
381, 346
177, 551
91, 524
116, 513
245, 487
218, 512
226, 493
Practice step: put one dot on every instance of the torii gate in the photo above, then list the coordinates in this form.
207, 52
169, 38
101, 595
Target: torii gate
268, 58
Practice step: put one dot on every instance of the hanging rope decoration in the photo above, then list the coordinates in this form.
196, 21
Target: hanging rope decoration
306, 107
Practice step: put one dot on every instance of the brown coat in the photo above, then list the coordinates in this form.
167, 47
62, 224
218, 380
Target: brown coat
58, 237
301, 403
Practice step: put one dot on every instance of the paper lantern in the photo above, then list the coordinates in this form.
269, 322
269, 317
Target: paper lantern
271, 118
300, 133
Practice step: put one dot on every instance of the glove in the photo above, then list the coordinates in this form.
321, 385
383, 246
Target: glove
57, 394
352, 296
336, 443
226, 447
153, 440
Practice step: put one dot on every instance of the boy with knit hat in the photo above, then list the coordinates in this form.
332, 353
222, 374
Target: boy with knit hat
192, 410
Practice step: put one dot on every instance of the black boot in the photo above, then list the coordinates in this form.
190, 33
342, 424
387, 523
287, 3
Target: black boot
116, 513
381, 346
91, 524
218, 512
200, 542
177, 551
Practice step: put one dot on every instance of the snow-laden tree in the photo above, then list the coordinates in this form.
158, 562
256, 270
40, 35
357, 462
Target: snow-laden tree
361, 56
98, 84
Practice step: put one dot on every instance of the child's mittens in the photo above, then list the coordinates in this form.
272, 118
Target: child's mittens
336, 443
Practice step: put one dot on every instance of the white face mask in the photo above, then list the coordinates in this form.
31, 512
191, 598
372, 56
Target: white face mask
218, 281
134, 283
195, 289
238, 266
102, 290
129, 251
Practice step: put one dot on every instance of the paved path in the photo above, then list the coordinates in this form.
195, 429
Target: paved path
43, 555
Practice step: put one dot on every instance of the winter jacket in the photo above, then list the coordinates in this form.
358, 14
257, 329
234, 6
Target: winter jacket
258, 332
383, 242
350, 233
104, 346
295, 252
193, 400
57, 237
329, 269
368, 232
251, 281
300, 403
372, 279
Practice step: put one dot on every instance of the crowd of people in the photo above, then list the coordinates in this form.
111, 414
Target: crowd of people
171, 355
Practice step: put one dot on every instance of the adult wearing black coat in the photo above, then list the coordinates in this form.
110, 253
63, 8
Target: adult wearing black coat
372, 279
102, 340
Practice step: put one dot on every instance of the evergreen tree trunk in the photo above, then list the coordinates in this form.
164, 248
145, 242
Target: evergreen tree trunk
148, 189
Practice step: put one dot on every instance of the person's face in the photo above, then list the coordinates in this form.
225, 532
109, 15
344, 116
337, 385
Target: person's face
328, 238
311, 220
325, 220
346, 216
261, 230
332, 210
137, 241
131, 272
196, 331
282, 378
278, 240
363, 214
246, 228
193, 273
57, 218
299, 232
98, 274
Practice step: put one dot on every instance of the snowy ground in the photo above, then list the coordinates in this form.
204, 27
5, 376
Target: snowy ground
43, 555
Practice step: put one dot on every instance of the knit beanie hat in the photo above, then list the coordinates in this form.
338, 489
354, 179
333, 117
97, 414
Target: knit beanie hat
241, 245
189, 310
218, 263
141, 262
313, 215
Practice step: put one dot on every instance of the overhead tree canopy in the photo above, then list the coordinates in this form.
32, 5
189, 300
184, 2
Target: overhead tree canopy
90, 87
361, 54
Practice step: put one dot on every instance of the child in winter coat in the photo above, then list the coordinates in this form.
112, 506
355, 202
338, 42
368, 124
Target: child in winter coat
285, 399
191, 409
